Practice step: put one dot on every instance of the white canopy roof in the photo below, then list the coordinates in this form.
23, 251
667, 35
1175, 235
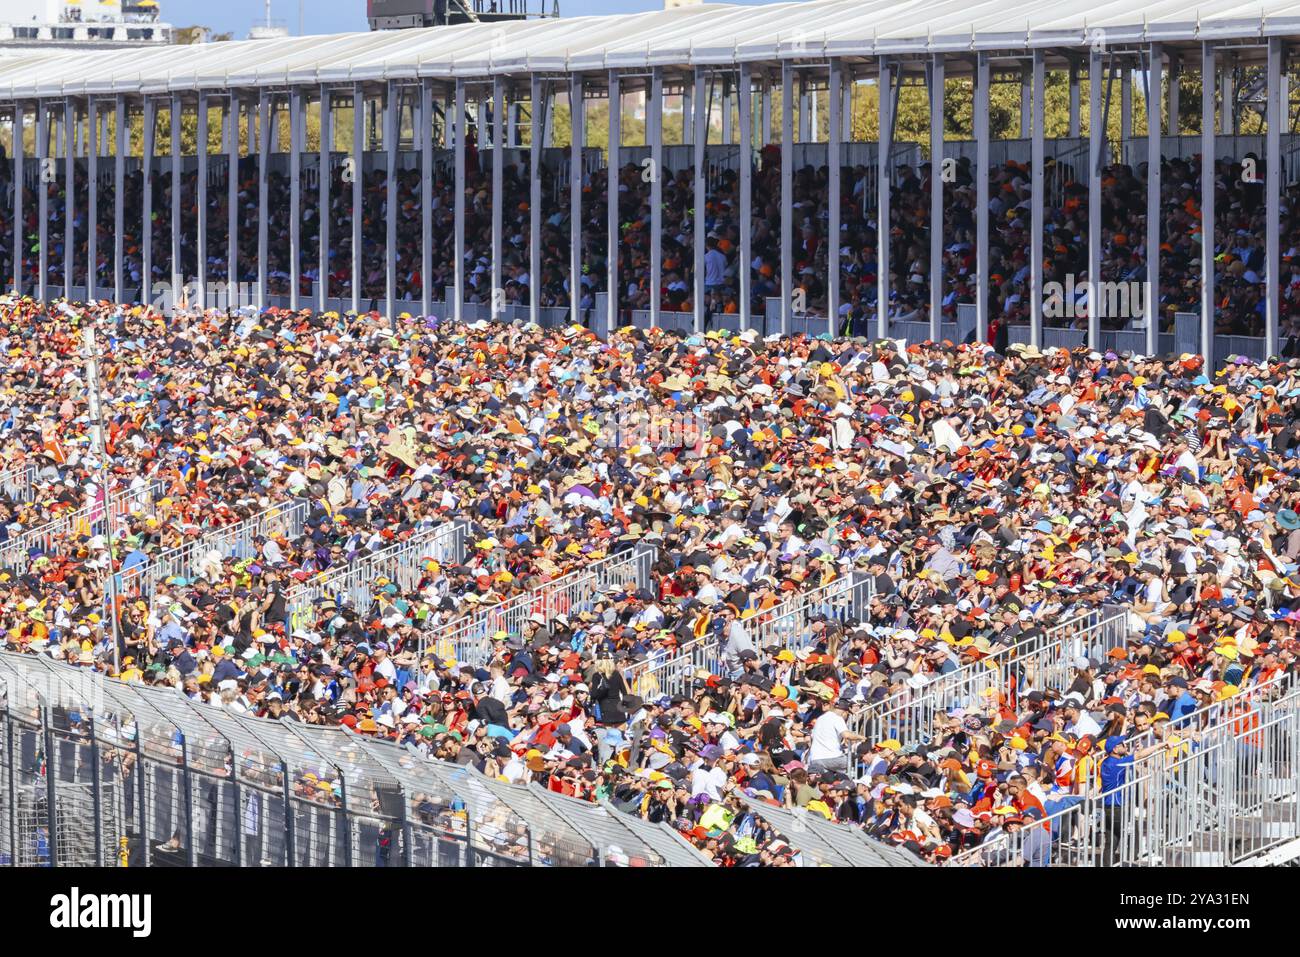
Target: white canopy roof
685, 36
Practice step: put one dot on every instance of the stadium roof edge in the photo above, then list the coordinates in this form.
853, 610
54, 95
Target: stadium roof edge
688, 36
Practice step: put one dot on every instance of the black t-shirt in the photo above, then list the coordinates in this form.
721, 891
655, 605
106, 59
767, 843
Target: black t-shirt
491, 711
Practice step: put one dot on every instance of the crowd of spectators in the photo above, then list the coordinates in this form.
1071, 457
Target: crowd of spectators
985, 496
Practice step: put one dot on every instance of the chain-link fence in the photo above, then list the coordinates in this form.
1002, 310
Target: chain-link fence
100, 772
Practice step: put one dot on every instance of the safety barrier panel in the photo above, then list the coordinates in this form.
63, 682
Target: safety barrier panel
16, 483
469, 638
1230, 794
1043, 661
402, 562
98, 772
90, 520
785, 624
237, 540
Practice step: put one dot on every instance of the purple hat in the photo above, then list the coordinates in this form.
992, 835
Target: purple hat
710, 752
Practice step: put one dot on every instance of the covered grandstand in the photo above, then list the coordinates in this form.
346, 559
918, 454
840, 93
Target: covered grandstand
422, 102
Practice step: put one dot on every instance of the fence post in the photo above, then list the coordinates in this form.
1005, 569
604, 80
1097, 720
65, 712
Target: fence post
13, 785
140, 800
189, 801
290, 825
347, 818
51, 814
236, 798
96, 797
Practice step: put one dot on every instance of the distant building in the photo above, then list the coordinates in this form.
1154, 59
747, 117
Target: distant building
80, 24
405, 14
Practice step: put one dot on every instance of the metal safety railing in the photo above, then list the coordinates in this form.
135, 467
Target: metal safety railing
98, 772
91, 520
469, 638
786, 624
1042, 661
237, 540
16, 483
1229, 794
402, 562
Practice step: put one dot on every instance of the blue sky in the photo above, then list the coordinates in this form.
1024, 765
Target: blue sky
337, 16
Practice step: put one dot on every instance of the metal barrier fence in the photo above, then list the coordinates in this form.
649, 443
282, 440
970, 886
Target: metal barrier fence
402, 562
1230, 795
1043, 661
90, 520
101, 772
786, 624
16, 483
469, 639
231, 541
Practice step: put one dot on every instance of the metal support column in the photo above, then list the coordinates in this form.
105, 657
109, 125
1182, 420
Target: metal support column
834, 133
1036, 207
577, 135
1272, 195
538, 101
459, 132
263, 213
69, 197
424, 140
611, 203
358, 184
746, 115
1151, 308
787, 196
177, 267
392, 100
94, 143
655, 131
119, 198
233, 296
20, 240
884, 145
146, 228
201, 201
1209, 77
497, 293
295, 196
701, 139
981, 118
936, 195
1096, 154
45, 167
323, 184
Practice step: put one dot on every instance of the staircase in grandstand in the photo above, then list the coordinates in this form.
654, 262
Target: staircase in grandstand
1042, 661
469, 638
92, 520
786, 624
402, 562
237, 540
16, 483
